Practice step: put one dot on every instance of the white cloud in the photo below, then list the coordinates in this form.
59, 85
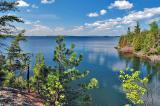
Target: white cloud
77, 28
113, 26
121, 4
47, 1
58, 29
31, 23
102, 12
157, 19
28, 23
93, 14
147, 13
34, 6
22, 3
126, 20
39, 30
37, 21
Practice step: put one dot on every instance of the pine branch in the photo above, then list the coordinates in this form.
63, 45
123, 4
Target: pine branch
7, 6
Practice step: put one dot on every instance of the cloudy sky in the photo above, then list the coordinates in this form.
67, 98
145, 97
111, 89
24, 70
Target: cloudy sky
85, 17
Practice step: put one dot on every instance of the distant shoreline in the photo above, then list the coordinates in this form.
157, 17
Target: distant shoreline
71, 36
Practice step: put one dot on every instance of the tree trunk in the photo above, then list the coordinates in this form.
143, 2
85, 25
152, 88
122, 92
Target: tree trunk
28, 78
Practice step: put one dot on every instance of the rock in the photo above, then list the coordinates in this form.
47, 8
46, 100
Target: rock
15, 97
152, 51
154, 58
127, 50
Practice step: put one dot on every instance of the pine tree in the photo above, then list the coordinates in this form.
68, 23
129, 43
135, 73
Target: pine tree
15, 53
6, 26
5, 21
57, 87
137, 29
39, 73
129, 36
137, 40
154, 31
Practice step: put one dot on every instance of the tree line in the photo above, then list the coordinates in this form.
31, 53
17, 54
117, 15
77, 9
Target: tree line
147, 41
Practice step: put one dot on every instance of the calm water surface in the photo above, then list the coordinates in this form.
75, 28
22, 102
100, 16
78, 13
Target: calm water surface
101, 59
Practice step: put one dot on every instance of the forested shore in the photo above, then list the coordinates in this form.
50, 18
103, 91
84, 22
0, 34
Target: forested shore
142, 43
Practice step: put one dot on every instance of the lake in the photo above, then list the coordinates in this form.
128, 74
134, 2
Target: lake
101, 58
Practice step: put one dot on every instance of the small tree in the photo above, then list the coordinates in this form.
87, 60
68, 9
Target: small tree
137, 39
137, 29
38, 71
154, 33
133, 86
154, 27
123, 41
57, 88
16, 60
15, 53
26, 58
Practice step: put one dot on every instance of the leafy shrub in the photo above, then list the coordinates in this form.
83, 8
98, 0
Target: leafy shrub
133, 85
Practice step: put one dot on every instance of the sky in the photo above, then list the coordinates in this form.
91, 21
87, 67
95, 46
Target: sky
85, 17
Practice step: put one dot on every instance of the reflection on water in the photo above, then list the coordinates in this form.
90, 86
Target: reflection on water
152, 71
101, 59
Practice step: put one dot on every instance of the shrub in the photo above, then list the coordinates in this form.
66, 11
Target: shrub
133, 85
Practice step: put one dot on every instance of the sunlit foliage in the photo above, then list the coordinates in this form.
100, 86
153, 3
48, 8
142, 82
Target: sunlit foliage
133, 85
55, 84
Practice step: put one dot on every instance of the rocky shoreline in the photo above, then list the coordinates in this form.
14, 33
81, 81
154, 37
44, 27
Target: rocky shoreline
130, 50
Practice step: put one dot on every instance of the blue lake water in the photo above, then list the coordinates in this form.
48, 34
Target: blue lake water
101, 58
